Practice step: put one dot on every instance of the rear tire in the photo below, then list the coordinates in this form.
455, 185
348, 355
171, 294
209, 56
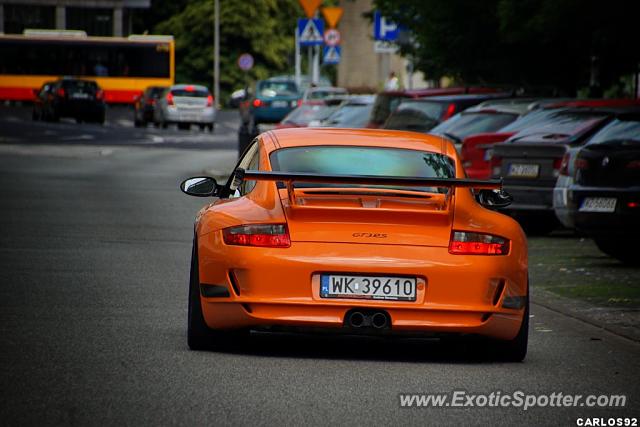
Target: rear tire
211, 127
199, 335
138, 123
515, 350
619, 249
184, 126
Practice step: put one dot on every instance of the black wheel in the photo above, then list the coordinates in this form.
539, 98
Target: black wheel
515, 350
138, 123
34, 115
620, 249
211, 127
79, 120
164, 125
184, 126
199, 335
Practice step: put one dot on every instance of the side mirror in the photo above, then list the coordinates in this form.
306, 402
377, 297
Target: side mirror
494, 199
200, 186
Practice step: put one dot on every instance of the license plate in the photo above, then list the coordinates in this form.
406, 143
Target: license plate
368, 287
79, 95
598, 204
279, 104
524, 170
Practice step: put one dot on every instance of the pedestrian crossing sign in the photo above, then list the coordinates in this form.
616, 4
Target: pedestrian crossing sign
311, 32
331, 55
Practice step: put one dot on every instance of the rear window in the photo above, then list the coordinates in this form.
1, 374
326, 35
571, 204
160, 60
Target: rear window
269, 89
350, 115
465, 124
415, 116
561, 125
193, 93
80, 86
383, 106
306, 113
350, 160
620, 130
530, 119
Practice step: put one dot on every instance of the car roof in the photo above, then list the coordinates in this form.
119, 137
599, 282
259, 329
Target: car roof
305, 137
518, 109
428, 92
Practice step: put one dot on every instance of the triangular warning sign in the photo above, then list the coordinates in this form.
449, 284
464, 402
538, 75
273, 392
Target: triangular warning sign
331, 55
310, 33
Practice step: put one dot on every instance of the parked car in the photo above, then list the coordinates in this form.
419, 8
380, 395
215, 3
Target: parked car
529, 162
269, 101
477, 120
310, 113
323, 92
185, 105
145, 105
423, 114
476, 151
604, 199
40, 98
352, 113
387, 101
82, 100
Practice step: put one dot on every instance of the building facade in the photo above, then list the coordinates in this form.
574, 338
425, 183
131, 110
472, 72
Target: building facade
95, 17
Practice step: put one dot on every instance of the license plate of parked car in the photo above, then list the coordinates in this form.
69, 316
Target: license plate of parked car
598, 204
524, 170
279, 104
368, 287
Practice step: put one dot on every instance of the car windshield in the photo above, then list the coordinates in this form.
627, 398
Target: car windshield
415, 116
352, 160
350, 116
192, 93
619, 130
464, 124
383, 106
269, 89
304, 114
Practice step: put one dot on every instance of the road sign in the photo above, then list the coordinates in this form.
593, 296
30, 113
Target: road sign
310, 6
332, 15
332, 37
384, 29
331, 55
380, 46
245, 61
310, 32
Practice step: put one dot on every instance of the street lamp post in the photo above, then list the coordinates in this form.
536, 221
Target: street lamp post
216, 52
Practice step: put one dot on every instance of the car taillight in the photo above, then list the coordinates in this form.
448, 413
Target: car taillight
263, 235
466, 243
60, 92
257, 103
634, 164
496, 165
633, 205
299, 102
563, 169
581, 164
150, 101
209, 101
99, 94
451, 108
557, 165
169, 98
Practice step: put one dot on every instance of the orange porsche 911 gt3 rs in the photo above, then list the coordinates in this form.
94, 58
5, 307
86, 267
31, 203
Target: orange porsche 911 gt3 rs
356, 231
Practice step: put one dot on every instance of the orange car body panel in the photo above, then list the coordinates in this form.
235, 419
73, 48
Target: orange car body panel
280, 286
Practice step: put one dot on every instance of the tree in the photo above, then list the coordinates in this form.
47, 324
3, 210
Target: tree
522, 42
263, 29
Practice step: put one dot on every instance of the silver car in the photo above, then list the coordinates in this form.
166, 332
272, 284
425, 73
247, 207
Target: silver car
186, 105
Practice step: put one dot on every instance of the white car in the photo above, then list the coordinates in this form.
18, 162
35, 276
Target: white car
186, 105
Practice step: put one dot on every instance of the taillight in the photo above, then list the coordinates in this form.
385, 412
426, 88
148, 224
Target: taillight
263, 235
169, 98
633, 205
99, 94
299, 102
451, 108
581, 164
209, 101
496, 165
60, 92
257, 103
557, 164
466, 243
634, 164
563, 169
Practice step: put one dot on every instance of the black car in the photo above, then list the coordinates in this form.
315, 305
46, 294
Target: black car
529, 163
422, 114
604, 199
80, 99
145, 105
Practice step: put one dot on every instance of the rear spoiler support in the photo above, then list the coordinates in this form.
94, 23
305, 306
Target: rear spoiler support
290, 177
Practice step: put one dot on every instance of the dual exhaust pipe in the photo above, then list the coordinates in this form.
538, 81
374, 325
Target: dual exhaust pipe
368, 319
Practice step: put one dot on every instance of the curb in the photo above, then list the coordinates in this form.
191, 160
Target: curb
581, 310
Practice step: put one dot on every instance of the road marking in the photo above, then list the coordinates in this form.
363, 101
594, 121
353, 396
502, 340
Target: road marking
83, 137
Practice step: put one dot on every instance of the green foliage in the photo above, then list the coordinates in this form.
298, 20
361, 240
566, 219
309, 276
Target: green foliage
523, 42
264, 28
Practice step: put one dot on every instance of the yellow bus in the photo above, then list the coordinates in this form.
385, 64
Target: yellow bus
123, 67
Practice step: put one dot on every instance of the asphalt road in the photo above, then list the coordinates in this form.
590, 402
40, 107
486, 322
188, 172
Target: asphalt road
94, 256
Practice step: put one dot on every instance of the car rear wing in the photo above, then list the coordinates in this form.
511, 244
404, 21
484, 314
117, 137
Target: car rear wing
290, 177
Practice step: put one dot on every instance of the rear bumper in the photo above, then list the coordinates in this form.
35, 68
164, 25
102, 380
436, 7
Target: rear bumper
79, 109
530, 199
198, 116
280, 287
623, 222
